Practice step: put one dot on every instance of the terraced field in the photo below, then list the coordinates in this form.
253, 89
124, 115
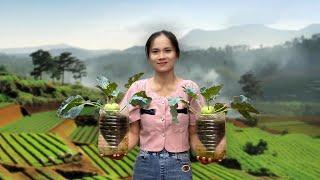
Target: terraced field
35, 149
85, 135
38, 122
309, 125
27, 143
286, 156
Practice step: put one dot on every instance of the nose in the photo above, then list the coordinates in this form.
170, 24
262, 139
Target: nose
161, 55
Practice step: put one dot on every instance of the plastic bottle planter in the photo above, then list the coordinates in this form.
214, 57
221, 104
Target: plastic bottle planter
210, 130
113, 128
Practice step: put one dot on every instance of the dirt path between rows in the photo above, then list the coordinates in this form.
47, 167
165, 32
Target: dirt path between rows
9, 114
65, 128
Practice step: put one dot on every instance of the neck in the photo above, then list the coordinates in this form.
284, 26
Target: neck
163, 79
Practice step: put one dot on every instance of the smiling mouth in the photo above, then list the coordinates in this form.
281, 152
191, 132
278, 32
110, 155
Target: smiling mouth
162, 63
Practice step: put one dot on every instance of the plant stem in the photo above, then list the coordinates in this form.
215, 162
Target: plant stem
221, 108
124, 107
93, 104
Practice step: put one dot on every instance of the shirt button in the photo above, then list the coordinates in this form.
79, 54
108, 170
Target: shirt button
162, 134
162, 119
162, 102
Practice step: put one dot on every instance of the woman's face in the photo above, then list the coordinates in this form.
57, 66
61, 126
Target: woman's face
162, 55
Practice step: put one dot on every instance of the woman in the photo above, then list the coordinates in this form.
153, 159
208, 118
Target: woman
164, 145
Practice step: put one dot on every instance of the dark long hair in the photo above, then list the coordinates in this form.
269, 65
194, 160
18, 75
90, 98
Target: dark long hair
169, 35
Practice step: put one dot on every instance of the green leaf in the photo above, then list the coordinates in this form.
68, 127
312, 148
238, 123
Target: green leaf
241, 98
103, 82
71, 107
115, 93
245, 114
174, 113
173, 103
219, 107
209, 93
190, 91
241, 104
73, 112
106, 86
140, 99
133, 79
244, 107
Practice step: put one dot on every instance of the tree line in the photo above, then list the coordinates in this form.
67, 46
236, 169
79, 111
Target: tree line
57, 66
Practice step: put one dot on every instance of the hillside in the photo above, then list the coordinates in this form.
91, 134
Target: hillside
253, 35
23, 90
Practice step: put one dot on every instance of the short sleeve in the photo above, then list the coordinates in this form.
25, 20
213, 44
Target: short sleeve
196, 104
133, 112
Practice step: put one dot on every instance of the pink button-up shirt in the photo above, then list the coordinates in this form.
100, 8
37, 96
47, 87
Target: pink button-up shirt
158, 131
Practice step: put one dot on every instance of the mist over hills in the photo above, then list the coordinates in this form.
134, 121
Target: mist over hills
253, 35
57, 49
287, 71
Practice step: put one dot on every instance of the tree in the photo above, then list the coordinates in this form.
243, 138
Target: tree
55, 74
79, 70
256, 149
251, 87
41, 60
64, 63
3, 70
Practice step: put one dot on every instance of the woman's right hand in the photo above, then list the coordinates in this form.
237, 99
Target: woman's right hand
116, 156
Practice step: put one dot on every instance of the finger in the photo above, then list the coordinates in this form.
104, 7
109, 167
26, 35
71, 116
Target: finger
198, 157
117, 155
209, 160
203, 160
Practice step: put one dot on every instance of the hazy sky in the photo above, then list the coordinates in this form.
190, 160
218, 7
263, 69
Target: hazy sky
102, 24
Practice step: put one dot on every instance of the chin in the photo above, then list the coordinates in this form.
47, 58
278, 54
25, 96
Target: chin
163, 70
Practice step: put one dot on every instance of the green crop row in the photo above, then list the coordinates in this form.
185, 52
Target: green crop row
40, 173
37, 122
105, 177
285, 157
2, 177
34, 149
117, 168
85, 135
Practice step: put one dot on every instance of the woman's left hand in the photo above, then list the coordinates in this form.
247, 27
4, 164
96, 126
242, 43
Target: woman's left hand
204, 160
220, 152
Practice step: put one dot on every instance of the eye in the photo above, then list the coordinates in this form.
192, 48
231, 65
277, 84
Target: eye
154, 51
168, 50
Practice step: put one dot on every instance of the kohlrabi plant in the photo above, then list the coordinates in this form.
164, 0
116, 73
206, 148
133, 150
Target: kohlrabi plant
239, 103
73, 105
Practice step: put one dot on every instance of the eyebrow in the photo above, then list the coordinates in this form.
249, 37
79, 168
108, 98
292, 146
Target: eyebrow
163, 48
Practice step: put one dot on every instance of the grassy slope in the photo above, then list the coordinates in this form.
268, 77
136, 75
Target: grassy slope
31, 91
37, 122
293, 125
4, 104
286, 155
